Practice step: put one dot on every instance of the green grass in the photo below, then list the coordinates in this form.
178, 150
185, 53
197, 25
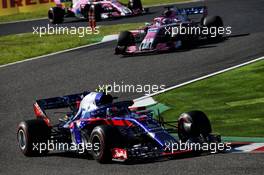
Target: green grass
22, 46
24, 16
232, 100
42, 13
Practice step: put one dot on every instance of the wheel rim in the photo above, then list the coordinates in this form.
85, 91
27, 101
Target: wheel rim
50, 14
184, 127
22, 139
96, 140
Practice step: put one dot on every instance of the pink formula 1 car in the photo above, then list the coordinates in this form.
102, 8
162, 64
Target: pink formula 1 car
104, 9
175, 29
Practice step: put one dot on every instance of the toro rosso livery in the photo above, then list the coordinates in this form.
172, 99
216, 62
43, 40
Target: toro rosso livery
117, 130
160, 35
103, 9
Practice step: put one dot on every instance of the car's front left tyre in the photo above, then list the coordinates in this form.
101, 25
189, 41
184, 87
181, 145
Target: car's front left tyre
192, 125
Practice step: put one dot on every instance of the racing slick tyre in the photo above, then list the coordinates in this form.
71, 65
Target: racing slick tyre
125, 39
32, 133
87, 10
135, 5
192, 125
56, 15
103, 139
213, 21
98, 10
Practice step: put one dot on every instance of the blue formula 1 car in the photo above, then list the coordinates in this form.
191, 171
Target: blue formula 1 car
112, 131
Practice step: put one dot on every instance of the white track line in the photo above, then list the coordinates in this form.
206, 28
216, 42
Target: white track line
198, 79
110, 38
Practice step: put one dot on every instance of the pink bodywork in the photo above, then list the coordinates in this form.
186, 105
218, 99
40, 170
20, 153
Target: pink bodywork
105, 3
146, 45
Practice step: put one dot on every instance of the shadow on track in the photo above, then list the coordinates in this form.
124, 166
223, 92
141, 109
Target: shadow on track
70, 155
130, 162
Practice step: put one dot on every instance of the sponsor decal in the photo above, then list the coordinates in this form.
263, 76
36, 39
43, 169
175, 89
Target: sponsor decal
19, 3
8, 7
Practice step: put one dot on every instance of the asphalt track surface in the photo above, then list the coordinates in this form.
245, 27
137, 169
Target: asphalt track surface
84, 69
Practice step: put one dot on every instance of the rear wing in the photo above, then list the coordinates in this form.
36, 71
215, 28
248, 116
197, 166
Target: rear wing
194, 10
60, 102
71, 101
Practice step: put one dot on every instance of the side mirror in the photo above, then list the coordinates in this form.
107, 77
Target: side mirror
108, 112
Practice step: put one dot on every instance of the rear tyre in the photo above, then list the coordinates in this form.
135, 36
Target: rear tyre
192, 125
30, 133
135, 5
104, 138
56, 15
98, 11
213, 22
85, 11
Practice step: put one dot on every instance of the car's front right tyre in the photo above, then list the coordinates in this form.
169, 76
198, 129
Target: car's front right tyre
125, 39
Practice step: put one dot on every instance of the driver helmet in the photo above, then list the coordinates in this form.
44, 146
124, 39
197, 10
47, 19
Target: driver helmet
103, 99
